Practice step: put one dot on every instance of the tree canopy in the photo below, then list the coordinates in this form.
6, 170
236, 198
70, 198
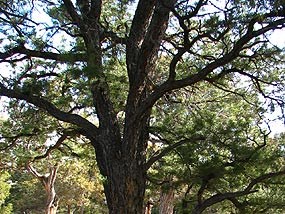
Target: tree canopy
147, 83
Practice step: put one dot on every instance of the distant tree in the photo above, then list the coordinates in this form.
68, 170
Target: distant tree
49, 188
94, 67
72, 184
48, 182
79, 187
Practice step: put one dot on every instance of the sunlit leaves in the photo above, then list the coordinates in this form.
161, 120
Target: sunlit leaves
5, 187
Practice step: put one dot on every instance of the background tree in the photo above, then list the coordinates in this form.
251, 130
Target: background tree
77, 183
68, 67
48, 182
77, 186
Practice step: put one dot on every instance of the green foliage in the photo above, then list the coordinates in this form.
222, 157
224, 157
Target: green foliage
5, 186
231, 153
78, 185
27, 194
119, 86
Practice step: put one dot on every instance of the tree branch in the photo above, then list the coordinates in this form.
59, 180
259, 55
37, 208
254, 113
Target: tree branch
31, 169
137, 32
226, 196
44, 55
58, 143
51, 109
113, 37
145, 53
170, 84
15, 138
170, 148
74, 15
240, 206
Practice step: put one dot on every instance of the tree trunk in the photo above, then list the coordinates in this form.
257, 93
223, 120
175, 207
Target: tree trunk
123, 165
69, 210
166, 205
121, 154
51, 209
124, 184
52, 202
125, 195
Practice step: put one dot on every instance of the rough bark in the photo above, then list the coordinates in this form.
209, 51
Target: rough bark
166, 200
125, 174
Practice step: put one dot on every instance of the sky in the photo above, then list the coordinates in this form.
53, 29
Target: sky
278, 126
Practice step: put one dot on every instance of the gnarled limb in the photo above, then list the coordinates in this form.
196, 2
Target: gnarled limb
229, 195
48, 181
75, 119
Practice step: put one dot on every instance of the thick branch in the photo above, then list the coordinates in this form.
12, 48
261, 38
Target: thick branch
224, 196
108, 123
74, 15
113, 37
145, 56
44, 55
140, 22
31, 169
155, 33
137, 32
89, 128
240, 206
201, 190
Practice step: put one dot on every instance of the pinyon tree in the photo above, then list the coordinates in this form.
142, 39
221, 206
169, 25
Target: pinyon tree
99, 67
